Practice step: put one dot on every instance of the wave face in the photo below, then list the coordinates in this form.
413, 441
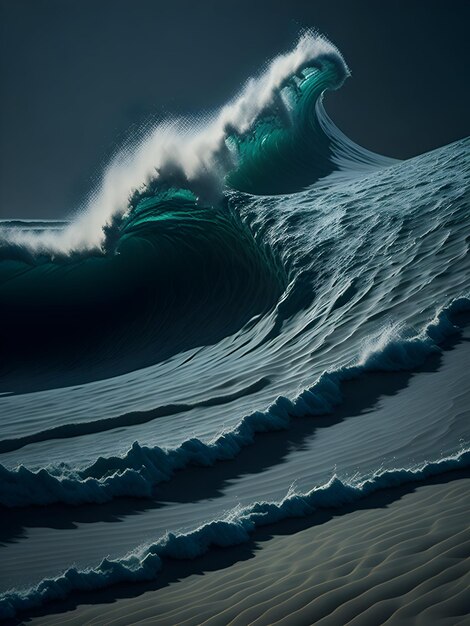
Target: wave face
246, 301
128, 307
161, 232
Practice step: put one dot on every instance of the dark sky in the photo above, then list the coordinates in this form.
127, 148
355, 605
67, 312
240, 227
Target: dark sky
77, 76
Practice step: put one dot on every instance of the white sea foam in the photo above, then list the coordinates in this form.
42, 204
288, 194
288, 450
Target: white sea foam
233, 529
142, 467
190, 145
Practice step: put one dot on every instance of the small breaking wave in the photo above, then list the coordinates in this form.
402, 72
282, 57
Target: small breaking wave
233, 529
142, 468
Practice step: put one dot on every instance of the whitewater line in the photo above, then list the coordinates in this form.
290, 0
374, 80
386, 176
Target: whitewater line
142, 468
235, 528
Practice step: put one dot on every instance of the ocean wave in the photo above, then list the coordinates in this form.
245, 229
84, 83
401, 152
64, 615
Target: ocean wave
274, 137
98, 316
142, 468
233, 529
110, 289
222, 261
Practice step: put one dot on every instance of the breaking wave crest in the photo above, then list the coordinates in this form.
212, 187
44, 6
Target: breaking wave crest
273, 137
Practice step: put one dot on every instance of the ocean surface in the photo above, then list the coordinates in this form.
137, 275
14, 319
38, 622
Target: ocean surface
250, 318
